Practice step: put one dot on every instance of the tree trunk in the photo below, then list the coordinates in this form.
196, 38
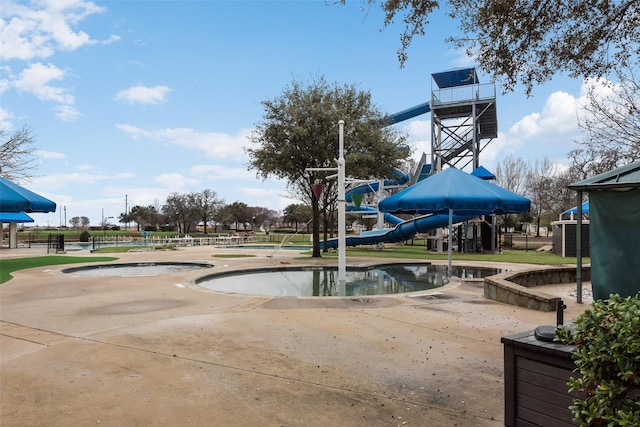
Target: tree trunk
316, 228
325, 221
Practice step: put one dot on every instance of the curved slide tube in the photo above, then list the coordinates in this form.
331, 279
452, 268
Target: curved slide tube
391, 219
401, 232
372, 187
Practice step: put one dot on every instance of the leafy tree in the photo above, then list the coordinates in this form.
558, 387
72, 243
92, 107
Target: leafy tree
527, 42
207, 205
84, 221
239, 213
141, 215
299, 131
611, 119
75, 222
329, 204
297, 213
125, 218
17, 154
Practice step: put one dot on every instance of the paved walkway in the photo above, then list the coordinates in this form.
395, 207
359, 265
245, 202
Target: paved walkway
156, 350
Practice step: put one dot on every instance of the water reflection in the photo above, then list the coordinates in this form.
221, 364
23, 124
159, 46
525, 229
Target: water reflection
389, 279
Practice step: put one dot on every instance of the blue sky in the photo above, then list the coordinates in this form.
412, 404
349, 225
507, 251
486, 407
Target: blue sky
138, 99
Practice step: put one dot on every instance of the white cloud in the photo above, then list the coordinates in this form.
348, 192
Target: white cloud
558, 117
5, 115
67, 113
44, 27
56, 181
460, 58
220, 173
175, 182
50, 154
36, 80
143, 95
212, 144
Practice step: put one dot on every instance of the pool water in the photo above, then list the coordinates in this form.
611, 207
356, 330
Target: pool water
135, 269
382, 280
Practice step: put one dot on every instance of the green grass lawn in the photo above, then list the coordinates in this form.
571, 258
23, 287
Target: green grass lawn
391, 252
15, 264
419, 252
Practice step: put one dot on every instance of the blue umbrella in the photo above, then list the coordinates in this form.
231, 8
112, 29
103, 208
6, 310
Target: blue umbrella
455, 191
574, 210
14, 198
458, 191
15, 217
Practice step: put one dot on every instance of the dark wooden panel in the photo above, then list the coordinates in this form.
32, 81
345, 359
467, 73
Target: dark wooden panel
545, 395
544, 368
539, 419
550, 383
561, 413
523, 423
546, 355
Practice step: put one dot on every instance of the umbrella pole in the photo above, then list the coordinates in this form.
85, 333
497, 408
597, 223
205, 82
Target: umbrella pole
450, 239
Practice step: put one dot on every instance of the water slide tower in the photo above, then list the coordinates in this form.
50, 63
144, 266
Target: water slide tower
463, 118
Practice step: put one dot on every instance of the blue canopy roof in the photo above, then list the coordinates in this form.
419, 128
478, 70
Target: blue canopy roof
15, 217
482, 172
14, 198
574, 210
455, 77
456, 190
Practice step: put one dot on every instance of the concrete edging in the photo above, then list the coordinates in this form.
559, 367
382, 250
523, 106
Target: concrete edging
515, 287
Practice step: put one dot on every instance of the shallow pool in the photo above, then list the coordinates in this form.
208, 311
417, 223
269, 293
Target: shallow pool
323, 281
135, 269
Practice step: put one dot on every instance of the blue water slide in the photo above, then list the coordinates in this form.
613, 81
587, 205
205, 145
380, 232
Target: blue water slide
409, 113
401, 232
371, 187
400, 178
391, 219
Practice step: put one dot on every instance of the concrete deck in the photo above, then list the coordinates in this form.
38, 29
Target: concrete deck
154, 350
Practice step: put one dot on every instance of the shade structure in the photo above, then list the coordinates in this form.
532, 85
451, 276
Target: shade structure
574, 210
456, 190
15, 217
482, 172
14, 198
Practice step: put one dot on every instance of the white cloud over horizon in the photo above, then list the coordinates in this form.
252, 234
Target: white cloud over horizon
143, 95
211, 144
27, 32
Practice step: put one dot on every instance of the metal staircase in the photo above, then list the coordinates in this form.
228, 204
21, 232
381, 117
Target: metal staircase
463, 118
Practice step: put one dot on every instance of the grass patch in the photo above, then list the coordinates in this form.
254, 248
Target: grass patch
418, 252
233, 256
15, 264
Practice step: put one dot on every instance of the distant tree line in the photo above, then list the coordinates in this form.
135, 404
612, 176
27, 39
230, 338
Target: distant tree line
204, 211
